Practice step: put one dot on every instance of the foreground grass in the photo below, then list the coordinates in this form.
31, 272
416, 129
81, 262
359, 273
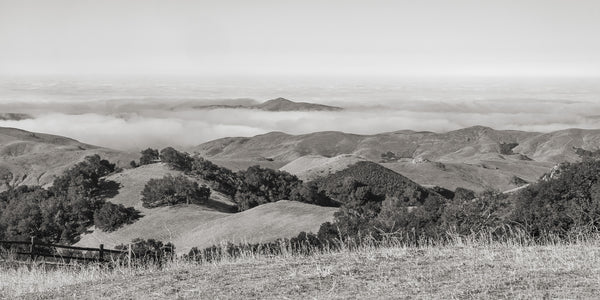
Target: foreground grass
461, 270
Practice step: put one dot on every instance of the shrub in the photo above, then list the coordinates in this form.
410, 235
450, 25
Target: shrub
221, 179
175, 159
150, 251
112, 216
561, 203
171, 190
518, 181
261, 185
469, 214
462, 194
149, 156
84, 178
507, 148
133, 164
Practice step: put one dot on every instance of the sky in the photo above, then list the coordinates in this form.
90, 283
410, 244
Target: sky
127, 74
338, 38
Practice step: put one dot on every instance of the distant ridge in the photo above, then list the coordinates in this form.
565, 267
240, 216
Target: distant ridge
278, 104
478, 157
463, 145
14, 117
31, 158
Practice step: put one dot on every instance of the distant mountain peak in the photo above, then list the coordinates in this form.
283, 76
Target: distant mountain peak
277, 104
280, 99
282, 104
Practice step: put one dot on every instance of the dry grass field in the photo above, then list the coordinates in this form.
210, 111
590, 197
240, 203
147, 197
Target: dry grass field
460, 270
189, 226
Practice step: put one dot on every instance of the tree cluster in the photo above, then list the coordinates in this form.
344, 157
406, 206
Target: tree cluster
564, 203
507, 148
110, 217
248, 188
172, 190
63, 212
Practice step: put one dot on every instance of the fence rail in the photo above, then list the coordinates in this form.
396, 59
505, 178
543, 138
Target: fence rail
35, 251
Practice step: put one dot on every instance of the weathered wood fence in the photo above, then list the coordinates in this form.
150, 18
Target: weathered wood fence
32, 250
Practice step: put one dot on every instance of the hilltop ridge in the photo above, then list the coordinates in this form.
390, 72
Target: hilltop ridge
476, 157
36, 158
278, 104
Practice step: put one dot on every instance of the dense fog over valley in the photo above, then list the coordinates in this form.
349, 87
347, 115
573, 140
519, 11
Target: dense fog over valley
132, 113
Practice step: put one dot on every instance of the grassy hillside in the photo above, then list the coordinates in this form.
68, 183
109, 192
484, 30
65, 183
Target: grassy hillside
312, 167
267, 222
461, 270
478, 177
35, 158
472, 157
456, 145
203, 225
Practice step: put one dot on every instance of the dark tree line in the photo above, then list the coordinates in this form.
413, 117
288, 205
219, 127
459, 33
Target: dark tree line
61, 213
248, 188
172, 190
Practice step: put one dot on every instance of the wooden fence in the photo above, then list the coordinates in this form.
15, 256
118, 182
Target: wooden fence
32, 250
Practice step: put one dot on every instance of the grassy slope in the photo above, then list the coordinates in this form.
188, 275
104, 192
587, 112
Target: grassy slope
267, 222
311, 167
478, 177
203, 225
163, 223
471, 154
457, 271
35, 158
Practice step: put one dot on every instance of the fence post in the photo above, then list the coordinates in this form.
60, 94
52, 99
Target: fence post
101, 254
129, 256
32, 249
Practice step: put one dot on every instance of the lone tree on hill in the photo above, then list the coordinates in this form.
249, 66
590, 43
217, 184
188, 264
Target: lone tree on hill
148, 156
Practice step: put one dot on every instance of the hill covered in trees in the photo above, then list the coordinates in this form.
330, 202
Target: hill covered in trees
378, 179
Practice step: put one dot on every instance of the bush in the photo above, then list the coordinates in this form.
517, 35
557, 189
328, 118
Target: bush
112, 216
171, 190
150, 251
462, 194
84, 178
560, 204
469, 214
507, 148
258, 186
175, 159
221, 179
149, 156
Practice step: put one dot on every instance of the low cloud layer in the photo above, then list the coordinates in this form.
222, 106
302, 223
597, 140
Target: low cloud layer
131, 114
190, 127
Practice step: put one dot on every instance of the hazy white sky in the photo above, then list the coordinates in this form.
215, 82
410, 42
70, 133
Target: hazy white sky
439, 37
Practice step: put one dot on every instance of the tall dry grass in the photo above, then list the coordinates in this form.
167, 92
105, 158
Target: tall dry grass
519, 255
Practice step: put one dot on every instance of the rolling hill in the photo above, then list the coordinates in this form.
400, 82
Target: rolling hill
311, 167
474, 157
189, 226
381, 180
35, 158
279, 104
